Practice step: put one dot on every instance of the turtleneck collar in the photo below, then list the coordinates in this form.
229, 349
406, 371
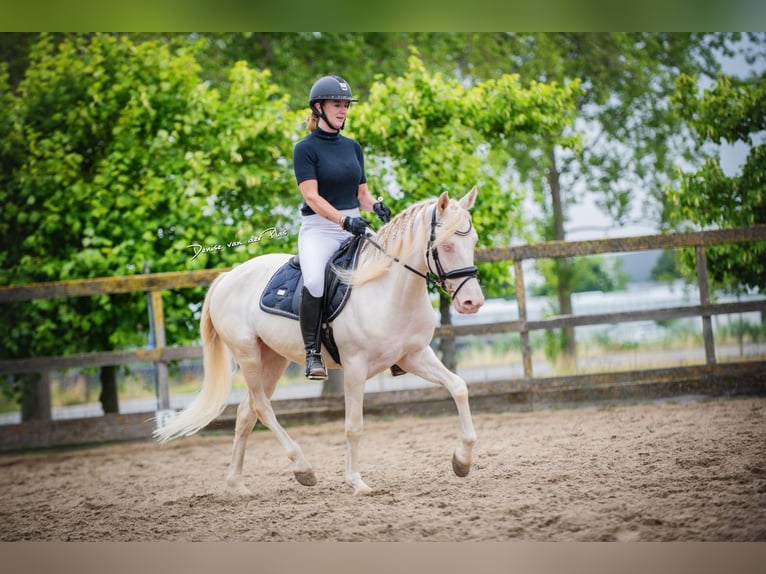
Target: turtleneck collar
320, 133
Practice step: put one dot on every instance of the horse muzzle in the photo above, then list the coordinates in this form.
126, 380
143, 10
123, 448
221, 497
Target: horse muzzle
467, 297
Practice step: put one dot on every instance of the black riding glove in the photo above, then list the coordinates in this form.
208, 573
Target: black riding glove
355, 225
382, 212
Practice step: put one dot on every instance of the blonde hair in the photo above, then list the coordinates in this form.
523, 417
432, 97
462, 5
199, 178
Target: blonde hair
312, 121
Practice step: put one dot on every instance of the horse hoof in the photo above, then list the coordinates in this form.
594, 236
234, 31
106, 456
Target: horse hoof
459, 468
238, 488
362, 490
306, 478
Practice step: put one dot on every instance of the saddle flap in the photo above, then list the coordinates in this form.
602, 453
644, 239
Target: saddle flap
282, 295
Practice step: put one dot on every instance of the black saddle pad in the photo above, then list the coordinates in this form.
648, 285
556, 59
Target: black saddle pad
282, 295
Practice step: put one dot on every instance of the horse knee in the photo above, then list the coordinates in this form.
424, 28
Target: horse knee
354, 434
458, 389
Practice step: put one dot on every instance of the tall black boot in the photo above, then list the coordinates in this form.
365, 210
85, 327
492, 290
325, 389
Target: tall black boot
397, 371
311, 323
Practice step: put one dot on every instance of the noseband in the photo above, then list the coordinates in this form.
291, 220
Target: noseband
441, 276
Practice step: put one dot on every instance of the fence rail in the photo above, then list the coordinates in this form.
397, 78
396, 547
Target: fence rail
156, 283
557, 249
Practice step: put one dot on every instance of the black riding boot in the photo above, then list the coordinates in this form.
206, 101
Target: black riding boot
397, 371
311, 323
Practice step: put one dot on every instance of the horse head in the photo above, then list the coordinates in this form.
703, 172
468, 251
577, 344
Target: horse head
450, 251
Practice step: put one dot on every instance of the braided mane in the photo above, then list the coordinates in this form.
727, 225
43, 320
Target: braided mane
405, 238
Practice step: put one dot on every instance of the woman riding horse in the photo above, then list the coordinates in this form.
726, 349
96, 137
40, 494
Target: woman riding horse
329, 169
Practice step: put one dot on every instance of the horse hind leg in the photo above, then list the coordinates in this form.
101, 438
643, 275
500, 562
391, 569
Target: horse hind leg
262, 376
245, 423
261, 405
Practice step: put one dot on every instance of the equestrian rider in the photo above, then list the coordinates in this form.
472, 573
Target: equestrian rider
329, 169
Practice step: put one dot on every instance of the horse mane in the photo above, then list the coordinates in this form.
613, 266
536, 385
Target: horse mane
404, 237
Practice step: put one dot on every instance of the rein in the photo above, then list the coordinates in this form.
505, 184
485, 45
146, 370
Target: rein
440, 277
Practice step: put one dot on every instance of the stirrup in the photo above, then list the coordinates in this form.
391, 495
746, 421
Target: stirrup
315, 369
397, 371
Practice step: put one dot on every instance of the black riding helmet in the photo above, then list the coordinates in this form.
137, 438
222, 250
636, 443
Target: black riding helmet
329, 88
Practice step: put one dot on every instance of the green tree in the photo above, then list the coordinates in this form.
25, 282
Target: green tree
425, 133
206, 139
297, 59
120, 151
595, 273
730, 111
14, 53
116, 155
667, 267
630, 138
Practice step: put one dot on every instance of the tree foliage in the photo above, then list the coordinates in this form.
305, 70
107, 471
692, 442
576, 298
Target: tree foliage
730, 111
119, 152
426, 133
596, 273
117, 155
630, 139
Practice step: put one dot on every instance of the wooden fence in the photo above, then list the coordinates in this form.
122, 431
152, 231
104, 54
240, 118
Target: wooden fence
744, 376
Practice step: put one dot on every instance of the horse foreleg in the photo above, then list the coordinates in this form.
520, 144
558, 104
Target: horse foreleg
246, 420
425, 364
353, 388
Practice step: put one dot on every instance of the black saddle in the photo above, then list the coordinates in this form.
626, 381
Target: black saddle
282, 295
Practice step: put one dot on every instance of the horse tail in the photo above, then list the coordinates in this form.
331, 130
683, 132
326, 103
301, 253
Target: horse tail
216, 385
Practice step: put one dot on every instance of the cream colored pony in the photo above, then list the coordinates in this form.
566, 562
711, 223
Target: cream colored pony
388, 320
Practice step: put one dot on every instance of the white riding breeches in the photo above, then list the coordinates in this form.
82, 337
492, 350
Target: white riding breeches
318, 239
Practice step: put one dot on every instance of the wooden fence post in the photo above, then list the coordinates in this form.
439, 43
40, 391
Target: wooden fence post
707, 324
158, 319
37, 404
521, 301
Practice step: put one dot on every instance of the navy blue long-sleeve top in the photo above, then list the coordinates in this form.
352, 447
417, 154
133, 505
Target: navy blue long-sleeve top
336, 162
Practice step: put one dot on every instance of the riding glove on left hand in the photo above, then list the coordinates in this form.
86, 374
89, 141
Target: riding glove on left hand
383, 213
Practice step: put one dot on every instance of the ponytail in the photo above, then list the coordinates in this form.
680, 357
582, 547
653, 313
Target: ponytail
312, 121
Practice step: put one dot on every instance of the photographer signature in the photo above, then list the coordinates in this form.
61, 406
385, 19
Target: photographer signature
271, 233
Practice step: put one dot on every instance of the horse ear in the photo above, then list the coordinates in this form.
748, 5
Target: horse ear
442, 203
469, 199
